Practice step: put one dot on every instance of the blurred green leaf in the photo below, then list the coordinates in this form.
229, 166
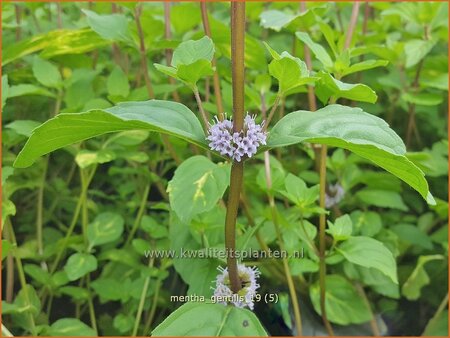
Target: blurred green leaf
206, 319
382, 198
343, 303
197, 186
46, 73
80, 264
411, 289
416, 50
320, 53
110, 27
328, 87
105, 228
341, 228
70, 327
5, 89
117, 83
58, 42
86, 158
370, 253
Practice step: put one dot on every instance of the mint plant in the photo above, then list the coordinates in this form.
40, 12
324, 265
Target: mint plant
140, 140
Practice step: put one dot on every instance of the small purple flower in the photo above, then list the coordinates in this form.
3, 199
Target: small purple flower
236, 145
336, 195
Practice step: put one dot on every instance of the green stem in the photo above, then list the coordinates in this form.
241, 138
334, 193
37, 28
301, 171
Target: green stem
322, 242
287, 270
84, 222
216, 79
141, 211
151, 315
168, 36
272, 111
21, 273
142, 300
143, 52
200, 108
73, 222
373, 320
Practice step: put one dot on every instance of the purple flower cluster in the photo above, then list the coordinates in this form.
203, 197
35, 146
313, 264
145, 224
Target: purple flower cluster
236, 145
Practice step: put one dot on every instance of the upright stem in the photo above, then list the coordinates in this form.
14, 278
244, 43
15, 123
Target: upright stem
142, 50
216, 79
202, 111
307, 52
322, 226
18, 13
351, 25
142, 300
412, 107
21, 273
273, 208
168, 36
59, 14
237, 168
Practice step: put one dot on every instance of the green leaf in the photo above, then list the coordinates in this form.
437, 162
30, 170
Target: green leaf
290, 71
341, 229
275, 19
416, 50
423, 99
206, 319
5, 89
370, 253
364, 65
46, 73
437, 326
28, 300
343, 304
6, 248
328, 87
110, 27
58, 42
320, 53
411, 289
382, 198
123, 323
28, 89
350, 128
197, 186
79, 264
297, 191
110, 289
366, 223
85, 158
117, 83
412, 234
191, 51
23, 127
191, 61
193, 72
379, 282
37, 273
70, 327
106, 228
162, 116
